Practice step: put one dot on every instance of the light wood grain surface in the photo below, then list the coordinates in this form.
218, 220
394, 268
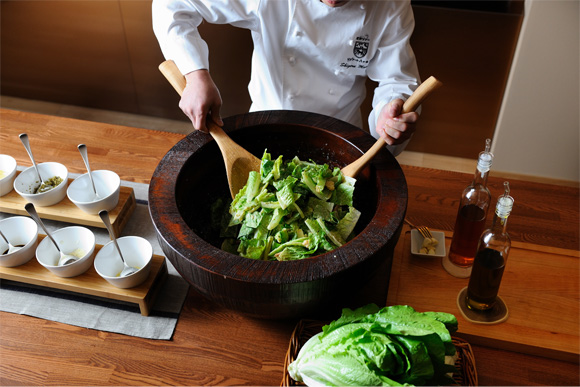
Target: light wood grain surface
539, 287
213, 345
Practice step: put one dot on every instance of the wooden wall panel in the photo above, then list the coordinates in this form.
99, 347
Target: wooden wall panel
471, 53
154, 94
66, 51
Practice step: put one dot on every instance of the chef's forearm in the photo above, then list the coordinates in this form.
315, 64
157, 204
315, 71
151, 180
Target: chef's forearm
175, 25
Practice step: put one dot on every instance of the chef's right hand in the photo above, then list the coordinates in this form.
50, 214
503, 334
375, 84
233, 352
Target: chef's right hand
201, 98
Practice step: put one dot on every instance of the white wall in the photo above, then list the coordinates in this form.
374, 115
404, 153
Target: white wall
539, 122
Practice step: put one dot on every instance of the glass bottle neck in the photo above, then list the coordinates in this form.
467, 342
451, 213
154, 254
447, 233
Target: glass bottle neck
480, 177
499, 224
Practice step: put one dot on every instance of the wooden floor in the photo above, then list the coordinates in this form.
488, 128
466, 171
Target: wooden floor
419, 159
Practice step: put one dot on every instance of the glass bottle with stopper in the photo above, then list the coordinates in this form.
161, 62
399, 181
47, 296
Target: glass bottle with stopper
492, 254
471, 215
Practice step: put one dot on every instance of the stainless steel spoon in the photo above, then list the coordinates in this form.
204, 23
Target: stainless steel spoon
26, 143
11, 247
127, 270
85, 156
65, 259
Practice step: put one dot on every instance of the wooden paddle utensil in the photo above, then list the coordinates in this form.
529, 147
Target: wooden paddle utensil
422, 92
238, 161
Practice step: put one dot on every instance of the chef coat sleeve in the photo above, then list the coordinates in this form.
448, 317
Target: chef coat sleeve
394, 67
176, 22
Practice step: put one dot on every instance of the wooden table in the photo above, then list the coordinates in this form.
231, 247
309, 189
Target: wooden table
213, 345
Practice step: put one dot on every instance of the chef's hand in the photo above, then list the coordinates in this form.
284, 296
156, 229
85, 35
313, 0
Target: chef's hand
393, 126
201, 98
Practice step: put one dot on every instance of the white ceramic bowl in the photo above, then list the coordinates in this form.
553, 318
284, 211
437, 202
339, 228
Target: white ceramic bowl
7, 174
19, 230
417, 243
27, 182
75, 240
137, 252
108, 186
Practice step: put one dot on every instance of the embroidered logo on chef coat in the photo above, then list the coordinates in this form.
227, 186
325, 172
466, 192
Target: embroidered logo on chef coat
361, 46
356, 63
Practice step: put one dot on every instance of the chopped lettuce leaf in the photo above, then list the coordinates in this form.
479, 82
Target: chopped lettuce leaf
291, 210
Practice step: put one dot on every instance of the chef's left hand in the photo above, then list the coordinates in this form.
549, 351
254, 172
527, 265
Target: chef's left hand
394, 127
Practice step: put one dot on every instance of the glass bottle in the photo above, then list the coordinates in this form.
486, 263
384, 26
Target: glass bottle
492, 254
472, 213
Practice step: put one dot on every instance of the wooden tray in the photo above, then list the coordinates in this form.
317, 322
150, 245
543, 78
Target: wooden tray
540, 287
466, 374
90, 283
67, 211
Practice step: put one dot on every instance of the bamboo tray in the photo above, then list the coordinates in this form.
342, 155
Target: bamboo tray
466, 374
67, 211
90, 283
540, 287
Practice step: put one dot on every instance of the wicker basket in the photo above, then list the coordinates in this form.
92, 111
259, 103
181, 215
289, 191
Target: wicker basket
466, 374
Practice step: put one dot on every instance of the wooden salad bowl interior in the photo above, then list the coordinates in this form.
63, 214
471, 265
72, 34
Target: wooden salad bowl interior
191, 178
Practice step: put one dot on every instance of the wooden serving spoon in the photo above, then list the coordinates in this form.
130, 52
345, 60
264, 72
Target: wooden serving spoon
422, 92
238, 161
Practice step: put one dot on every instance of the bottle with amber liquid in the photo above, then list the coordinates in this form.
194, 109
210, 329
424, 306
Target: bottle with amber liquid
472, 213
490, 259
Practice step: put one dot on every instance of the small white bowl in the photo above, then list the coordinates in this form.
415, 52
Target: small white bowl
75, 240
27, 182
7, 174
417, 243
137, 252
108, 186
19, 230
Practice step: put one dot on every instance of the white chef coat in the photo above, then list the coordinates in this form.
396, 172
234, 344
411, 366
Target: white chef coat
307, 56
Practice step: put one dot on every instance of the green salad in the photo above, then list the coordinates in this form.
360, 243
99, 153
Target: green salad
291, 210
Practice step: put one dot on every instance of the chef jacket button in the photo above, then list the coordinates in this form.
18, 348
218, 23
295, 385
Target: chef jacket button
290, 97
350, 42
292, 60
336, 72
362, 6
331, 91
298, 33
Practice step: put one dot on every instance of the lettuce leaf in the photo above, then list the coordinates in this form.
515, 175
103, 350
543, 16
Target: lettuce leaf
291, 210
370, 346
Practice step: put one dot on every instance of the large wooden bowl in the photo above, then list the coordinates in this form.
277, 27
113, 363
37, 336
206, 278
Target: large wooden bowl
191, 176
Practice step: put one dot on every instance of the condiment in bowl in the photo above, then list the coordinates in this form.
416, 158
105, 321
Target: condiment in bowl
137, 252
55, 178
429, 248
21, 232
74, 240
7, 174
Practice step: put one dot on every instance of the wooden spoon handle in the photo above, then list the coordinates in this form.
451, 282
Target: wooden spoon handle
171, 72
412, 103
423, 91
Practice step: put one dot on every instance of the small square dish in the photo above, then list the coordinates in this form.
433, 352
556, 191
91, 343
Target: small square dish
417, 243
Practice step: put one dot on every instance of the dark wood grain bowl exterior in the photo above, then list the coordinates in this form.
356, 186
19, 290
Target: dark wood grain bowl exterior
191, 176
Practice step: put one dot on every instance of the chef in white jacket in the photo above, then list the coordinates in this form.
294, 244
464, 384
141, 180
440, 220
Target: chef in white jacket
309, 55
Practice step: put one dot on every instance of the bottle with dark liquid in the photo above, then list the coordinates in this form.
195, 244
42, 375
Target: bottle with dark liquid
492, 253
472, 213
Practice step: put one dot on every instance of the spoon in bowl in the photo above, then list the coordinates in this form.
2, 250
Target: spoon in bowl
85, 156
11, 247
65, 259
127, 270
26, 143
238, 161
